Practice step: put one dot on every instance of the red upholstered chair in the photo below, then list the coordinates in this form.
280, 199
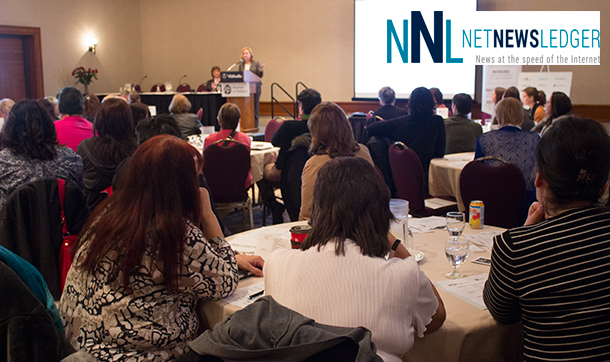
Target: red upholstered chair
409, 179
200, 114
226, 170
271, 127
159, 87
184, 87
500, 187
137, 88
201, 88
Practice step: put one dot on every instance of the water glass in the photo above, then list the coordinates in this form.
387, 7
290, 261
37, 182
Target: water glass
456, 250
455, 223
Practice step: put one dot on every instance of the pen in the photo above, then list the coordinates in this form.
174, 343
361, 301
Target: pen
257, 294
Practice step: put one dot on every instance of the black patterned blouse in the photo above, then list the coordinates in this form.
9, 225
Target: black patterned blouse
18, 170
151, 323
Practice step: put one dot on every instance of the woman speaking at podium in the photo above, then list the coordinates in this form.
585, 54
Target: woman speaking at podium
248, 63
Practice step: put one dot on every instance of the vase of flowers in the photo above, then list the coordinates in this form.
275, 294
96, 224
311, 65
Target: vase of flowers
84, 76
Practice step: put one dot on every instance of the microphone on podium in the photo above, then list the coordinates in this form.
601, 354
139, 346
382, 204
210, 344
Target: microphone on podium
231, 67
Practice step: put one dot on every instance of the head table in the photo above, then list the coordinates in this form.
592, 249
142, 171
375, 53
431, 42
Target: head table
468, 334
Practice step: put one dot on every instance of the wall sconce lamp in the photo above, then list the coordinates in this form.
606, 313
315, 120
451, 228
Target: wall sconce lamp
91, 43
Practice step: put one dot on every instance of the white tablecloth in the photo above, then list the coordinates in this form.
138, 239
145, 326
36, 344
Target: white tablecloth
444, 175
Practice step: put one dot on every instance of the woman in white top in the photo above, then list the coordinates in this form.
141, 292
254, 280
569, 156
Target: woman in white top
341, 276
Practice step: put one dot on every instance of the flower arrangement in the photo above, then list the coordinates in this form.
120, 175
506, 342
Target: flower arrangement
84, 77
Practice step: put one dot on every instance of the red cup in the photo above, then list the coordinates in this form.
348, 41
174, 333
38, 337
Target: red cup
298, 234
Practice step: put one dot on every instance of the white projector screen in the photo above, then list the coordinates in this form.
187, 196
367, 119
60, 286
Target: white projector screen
371, 69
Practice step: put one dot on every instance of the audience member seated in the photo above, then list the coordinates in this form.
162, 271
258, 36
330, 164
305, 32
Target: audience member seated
496, 97
512, 144
5, 107
139, 111
527, 125
164, 124
387, 99
438, 100
341, 277
461, 132
101, 154
421, 130
228, 118
72, 128
289, 130
331, 137
49, 107
188, 122
31, 150
133, 97
142, 263
55, 104
558, 108
34, 281
92, 105
535, 100
553, 275
212, 84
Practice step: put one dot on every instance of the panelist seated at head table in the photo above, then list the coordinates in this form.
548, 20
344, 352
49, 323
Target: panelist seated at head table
554, 273
341, 276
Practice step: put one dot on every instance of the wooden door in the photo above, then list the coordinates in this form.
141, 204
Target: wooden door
12, 68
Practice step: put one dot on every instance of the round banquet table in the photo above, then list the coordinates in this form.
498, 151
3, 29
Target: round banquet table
468, 334
444, 175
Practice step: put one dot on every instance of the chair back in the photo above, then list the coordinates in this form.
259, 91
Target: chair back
408, 177
159, 87
501, 188
290, 182
271, 127
184, 87
226, 170
137, 88
30, 225
202, 88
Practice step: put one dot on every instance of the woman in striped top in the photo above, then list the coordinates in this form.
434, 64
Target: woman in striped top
553, 274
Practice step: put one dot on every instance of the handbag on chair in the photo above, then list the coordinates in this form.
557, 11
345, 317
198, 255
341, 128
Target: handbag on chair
65, 256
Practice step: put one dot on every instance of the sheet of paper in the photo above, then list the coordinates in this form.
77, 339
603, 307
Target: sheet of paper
241, 297
271, 239
246, 242
484, 239
468, 289
436, 203
427, 224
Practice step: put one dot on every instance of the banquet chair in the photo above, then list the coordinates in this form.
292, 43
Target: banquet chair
184, 87
409, 180
159, 87
226, 170
501, 188
30, 225
271, 127
290, 182
202, 88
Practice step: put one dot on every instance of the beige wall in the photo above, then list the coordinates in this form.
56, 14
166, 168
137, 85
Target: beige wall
64, 24
309, 41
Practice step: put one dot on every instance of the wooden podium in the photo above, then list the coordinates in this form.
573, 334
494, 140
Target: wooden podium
246, 104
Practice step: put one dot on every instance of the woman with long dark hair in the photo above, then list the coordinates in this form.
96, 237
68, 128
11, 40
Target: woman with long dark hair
31, 151
141, 263
113, 140
553, 274
331, 137
341, 277
558, 107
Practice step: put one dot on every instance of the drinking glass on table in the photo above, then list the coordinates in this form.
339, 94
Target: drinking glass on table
455, 223
456, 250
400, 209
